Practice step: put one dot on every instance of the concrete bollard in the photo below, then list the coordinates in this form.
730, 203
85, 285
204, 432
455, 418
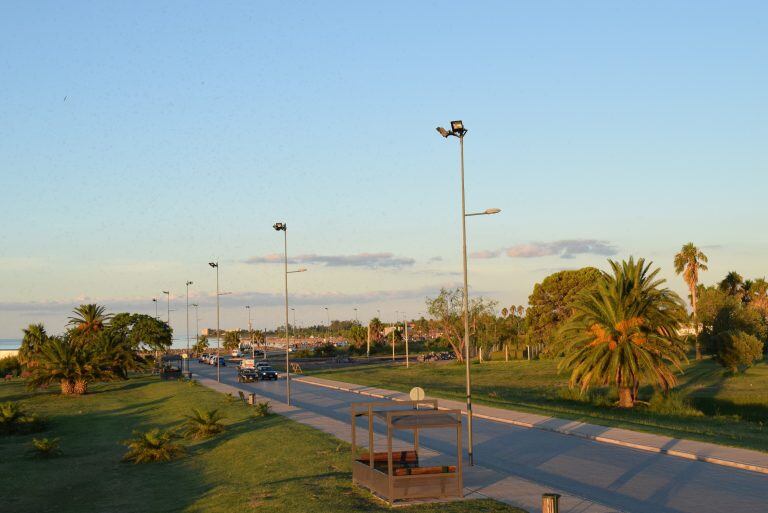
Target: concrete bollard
251, 399
549, 503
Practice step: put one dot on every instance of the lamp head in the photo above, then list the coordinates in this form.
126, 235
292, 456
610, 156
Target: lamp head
492, 211
443, 131
457, 126
280, 226
166, 292
189, 283
213, 264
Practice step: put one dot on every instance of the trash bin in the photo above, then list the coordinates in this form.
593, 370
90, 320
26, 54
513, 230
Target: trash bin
251, 399
549, 503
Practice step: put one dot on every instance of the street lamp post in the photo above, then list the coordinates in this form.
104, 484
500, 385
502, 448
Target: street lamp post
355, 309
405, 327
458, 131
168, 295
154, 300
328, 314
293, 326
284, 228
188, 284
197, 322
215, 265
250, 332
394, 329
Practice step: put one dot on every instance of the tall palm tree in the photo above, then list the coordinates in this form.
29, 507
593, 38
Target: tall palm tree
72, 365
89, 319
689, 262
731, 284
32, 343
624, 332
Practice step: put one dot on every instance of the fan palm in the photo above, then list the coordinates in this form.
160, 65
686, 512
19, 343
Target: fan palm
731, 284
70, 364
689, 262
89, 319
32, 343
152, 445
624, 332
204, 423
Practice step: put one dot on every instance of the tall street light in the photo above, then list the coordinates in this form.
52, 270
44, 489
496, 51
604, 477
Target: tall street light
250, 332
293, 329
405, 327
458, 131
284, 228
188, 284
355, 309
215, 265
154, 300
197, 322
328, 314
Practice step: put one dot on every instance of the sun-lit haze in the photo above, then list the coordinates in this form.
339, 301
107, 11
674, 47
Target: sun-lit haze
139, 141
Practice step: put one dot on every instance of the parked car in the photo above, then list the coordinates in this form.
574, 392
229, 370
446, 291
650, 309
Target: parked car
247, 375
266, 373
263, 364
203, 358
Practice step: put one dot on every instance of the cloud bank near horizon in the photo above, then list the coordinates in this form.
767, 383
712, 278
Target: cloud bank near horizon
369, 260
565, 248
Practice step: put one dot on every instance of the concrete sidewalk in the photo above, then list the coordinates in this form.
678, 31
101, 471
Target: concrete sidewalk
479, 482
744, 459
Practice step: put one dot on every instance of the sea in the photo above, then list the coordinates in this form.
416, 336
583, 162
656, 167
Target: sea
10, 343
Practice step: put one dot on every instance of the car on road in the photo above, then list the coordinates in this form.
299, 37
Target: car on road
247, 375
263, 364
266, 373
203, 357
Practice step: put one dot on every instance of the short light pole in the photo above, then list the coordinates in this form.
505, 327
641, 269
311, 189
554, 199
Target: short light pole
284, 228
458, 131
356, 321
394, 330
197, 322
154, 300
215, 265
405, 327
293, 326
188, 284
250, 332
328, 314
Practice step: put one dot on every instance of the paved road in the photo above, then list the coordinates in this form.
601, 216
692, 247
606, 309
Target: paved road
621, 478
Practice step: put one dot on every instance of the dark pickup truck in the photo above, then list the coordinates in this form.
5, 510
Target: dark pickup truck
266, 372
247, 375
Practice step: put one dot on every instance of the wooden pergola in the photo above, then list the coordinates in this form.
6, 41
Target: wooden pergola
396, 476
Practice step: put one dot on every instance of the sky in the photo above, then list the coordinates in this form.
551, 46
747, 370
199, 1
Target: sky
141, 140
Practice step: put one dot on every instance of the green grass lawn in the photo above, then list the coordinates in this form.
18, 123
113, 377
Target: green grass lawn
258, 464
735, 408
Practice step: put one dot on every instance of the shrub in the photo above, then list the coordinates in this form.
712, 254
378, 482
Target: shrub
152, 445
204, 423
672, 403
13, 420
737, 350
9, 365
262, 409
46, 447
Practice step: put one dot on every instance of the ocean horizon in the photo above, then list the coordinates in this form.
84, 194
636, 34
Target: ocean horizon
15, 343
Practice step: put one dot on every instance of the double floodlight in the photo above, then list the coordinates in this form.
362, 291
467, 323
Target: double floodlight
457, 129
189, 283
280, 226
213, 264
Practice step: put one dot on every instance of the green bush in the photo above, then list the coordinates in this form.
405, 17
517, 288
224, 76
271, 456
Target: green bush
46, 447
204, 423
737, 350
672, 403
9, 365
262, 409
152, 445
13, 420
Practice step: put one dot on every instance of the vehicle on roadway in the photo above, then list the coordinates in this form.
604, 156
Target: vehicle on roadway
266, 373
203, 358
247, 375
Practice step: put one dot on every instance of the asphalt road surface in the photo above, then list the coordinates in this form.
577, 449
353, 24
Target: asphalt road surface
625, 479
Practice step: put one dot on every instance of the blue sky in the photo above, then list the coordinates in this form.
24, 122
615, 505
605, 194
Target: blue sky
139, 141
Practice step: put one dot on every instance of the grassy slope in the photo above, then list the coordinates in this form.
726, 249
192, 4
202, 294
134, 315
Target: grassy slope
269, 464
535, 387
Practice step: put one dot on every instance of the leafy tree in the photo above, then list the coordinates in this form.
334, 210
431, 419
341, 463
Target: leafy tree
624, 332
737, 350
550, 304
722, 313
731, 284
759, 300
447, 310
689, 262
143, 332
116, 355
201, 345
31, 344
231, 340
357, 335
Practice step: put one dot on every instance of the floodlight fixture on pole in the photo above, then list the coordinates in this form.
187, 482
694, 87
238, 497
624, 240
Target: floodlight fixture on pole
215, 265
154, 300
459, 131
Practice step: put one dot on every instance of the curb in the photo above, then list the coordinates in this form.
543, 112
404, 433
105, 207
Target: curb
601, 439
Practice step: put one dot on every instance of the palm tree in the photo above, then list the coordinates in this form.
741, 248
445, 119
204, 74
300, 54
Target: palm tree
201, 345
72, 365
731, 284
204, 423
32, 343
624, 332
231, 340
89, 319
376, 328
153, 445
688, 262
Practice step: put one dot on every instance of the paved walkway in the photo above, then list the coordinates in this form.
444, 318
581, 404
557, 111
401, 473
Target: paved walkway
516, 464
744, 459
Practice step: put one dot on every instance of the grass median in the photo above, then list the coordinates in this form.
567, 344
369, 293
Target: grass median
732, 410
258, 464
